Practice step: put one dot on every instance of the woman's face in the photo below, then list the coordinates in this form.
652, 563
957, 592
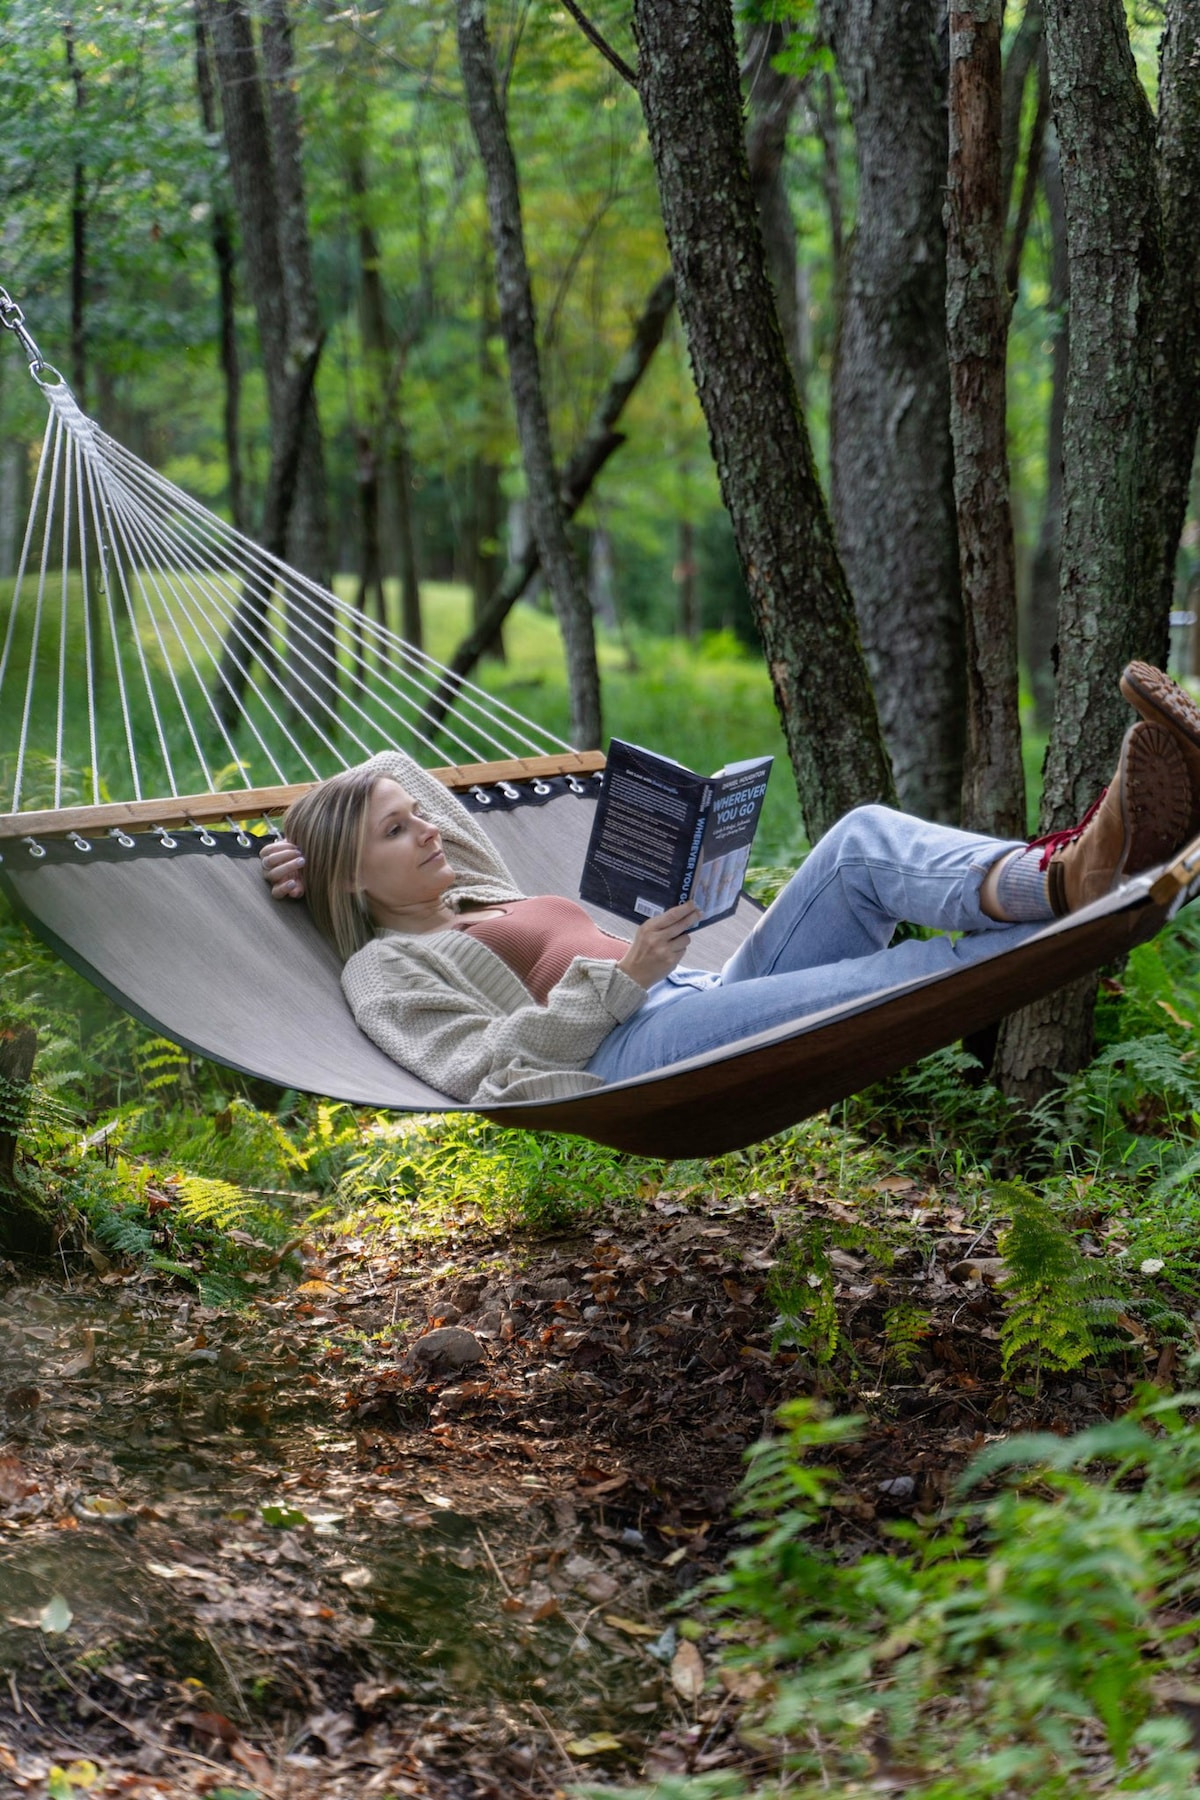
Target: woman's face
403, 868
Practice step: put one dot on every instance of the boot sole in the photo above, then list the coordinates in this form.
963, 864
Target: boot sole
1156, 794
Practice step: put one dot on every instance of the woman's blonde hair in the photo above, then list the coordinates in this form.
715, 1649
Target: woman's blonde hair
328, 825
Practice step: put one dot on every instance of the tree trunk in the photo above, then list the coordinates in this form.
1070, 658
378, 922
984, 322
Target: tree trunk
221, 236
267, 184
892, 459
560, 564
598, 443
79, 225
1175, 339
384, 355
771, 100
993, 795
1108, 612
24, 1227
688, 80
1042, 622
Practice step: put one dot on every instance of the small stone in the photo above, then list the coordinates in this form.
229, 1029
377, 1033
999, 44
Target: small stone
556, 1289
449, 1347
897, 1487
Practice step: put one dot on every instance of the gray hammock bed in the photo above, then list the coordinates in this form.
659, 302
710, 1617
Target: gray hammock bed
217, 657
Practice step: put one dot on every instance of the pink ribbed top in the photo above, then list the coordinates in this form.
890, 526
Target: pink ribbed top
540, 938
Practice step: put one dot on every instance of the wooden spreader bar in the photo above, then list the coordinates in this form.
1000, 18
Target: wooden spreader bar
250, 803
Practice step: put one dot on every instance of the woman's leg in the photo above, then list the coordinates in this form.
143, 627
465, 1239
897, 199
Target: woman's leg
679, 1021
870, 871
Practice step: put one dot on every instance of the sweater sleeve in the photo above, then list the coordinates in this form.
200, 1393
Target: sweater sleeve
479, 873
484, 1039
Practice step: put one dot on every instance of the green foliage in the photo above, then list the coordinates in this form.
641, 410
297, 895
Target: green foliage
1061, 1304
802, 1285
989, 1658
417, 1170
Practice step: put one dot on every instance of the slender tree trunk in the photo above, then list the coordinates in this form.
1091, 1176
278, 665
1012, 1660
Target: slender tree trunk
486, 498
1042, 625
685, 576
79, 227
264, 165
771, 101
222, 244
559, 562
384, 355
892, 458
1023, 56
688, 80
598, 443
977, 336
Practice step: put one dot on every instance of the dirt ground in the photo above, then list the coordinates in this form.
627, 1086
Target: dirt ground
315, 1550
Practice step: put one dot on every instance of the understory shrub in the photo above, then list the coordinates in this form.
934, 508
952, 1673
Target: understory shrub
1031, 1646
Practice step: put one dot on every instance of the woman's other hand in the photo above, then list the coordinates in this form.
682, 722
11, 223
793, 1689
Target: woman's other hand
283, 867
659, 944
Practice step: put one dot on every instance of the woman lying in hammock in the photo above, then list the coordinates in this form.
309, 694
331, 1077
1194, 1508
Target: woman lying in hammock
491, 995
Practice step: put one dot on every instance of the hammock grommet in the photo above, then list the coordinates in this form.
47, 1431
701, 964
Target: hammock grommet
206, 837
243, 836
80, 843
542, 788
123, 838
483, 799
166, 841
509, 791
576, 787
35, 849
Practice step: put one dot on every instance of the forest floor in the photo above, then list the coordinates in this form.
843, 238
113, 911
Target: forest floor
289, 1553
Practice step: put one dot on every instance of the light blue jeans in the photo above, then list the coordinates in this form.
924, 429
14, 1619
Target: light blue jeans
824, 940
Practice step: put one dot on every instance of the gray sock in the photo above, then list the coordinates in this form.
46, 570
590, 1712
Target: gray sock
1021, 891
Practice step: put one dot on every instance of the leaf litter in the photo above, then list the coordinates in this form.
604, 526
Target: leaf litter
418, 1524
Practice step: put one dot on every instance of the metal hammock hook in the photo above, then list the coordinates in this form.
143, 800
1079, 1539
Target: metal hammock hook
13, 319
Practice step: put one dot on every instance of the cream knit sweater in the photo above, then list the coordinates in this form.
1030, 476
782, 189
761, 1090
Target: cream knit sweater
451, 1011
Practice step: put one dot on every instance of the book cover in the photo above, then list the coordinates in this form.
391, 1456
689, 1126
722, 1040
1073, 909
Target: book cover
664, 834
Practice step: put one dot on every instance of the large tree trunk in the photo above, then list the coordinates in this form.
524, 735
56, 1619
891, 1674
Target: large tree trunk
1108, 612
1175, 341
893, 493
977, 308
560, 565
688, 80
264, 165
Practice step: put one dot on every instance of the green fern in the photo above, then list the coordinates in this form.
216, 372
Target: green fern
1061, 1305
207, 1200
905, 1327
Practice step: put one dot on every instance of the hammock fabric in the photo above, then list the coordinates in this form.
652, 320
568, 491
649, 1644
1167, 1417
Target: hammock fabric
215, 654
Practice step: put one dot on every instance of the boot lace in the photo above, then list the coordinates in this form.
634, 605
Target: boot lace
1051, 842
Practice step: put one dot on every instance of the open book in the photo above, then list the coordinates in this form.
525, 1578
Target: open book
663, 834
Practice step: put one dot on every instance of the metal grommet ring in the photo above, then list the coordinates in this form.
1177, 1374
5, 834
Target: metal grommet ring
123, 838
35, 849
483, 799
164, 837
206, 837
575, 786
243, 836
80, 843
509, 791
541, 787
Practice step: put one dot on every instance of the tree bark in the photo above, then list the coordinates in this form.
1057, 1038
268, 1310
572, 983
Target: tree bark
221, 237
598, 443
688, 81
771, 100
892, 458
561, 566
1108, 611
977, 308
1175, 338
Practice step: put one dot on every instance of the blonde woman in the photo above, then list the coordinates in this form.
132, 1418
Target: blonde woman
491, 995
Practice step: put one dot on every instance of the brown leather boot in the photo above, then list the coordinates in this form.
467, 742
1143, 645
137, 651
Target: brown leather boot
1163, 702
1140, 819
